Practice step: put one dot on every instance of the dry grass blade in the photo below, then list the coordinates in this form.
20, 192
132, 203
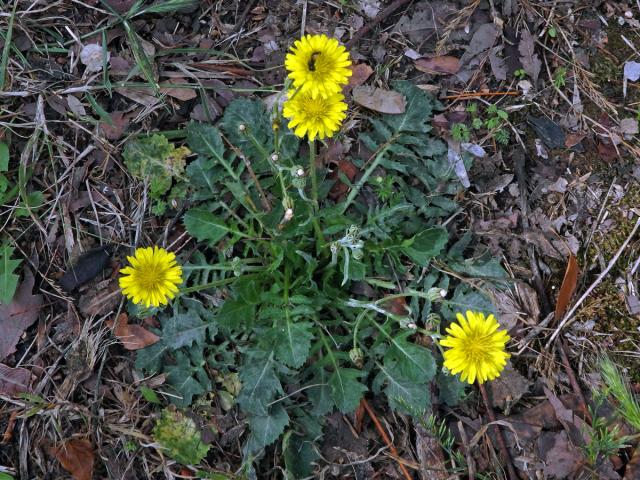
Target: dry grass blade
7, 47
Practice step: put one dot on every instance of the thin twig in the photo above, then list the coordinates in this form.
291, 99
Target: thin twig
569, 316
504, 453
478, 94
387, 440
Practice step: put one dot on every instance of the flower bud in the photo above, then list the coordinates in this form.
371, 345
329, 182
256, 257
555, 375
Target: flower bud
242, 127
357, 357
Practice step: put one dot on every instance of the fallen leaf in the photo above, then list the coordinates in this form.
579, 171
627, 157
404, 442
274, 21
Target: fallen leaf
483, 39
360, 72
118, 126
549, 131
101, 299
530, 61
76, 106
86, 268
561, 458
508, 388
379, 100
18, 315
438, 65
91, 56
14, 380
498, 65
139, 95
340, 189
77, 457
181, 93
457, 163
568, 286
574, 139
628, 126
133, 337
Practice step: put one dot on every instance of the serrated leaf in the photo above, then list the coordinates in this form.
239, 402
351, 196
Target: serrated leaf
346, 390
293, 342
320, 395
180, 377
426, 245
183, 329
235, 314
404, 394
205, 140
419, 106
8, 279
149, 359
265, 429
180, 438
205, 226
259, 384
246, 123
450, 389
413, 361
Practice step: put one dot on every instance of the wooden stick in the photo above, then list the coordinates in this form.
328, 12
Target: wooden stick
504, 453
477, 94
385, 437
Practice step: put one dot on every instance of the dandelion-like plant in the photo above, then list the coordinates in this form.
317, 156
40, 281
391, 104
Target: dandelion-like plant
314, 117
476, 347
319, 66
152, 278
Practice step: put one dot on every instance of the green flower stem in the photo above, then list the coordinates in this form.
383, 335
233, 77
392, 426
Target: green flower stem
216, 283
320, 241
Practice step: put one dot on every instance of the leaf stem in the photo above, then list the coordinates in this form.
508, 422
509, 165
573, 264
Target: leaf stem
314, 196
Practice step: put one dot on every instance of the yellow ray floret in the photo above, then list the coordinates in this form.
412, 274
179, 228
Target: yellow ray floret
314, 117
151, 278
476, 347
318, 65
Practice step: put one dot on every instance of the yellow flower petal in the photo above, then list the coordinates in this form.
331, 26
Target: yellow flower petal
476, 347
151, 278
314, 117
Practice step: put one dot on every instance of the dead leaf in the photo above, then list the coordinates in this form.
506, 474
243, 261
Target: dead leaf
139, 95
133, 337
360, 72
573, 139
340, 189
18, 315
76, 106
91, 56
508, 388
628, 126
561, 458
116, 129
379, 100
530, 61
437, 65
181, 93
77, 457
483, 39
101, 299
14, 380
498, 65
568, 287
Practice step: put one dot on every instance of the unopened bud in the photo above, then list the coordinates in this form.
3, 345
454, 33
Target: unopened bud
242, 127
357, 357
275, 157
436, 294
300, 172
288, 214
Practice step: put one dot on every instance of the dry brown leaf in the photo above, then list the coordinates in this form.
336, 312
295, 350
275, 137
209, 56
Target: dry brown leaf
101, 299
132, 337
14, 380
116, 129
569, 283
360, 72
508, 388
77, 457
18, 315
530, 61
180, 93
443, 64
379, 100
339, 189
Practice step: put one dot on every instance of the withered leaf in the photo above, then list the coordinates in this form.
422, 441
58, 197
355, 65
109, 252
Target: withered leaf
442, 64
88, 266
360, 72
132, 337
508, 388
117, 127
530, 61
379, 100
18, 315
101, 299
77, 457
569, 283
13, 380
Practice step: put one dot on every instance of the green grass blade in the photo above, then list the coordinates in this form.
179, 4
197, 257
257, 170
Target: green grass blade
4, 62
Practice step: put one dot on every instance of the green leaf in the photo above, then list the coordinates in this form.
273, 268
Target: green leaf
417, 112
413, 361
292, 342
4, 157
247, 125
149, 395
346, 390
236, 313
183, 329
179, 436
8, 279
149, 359
205, 140
403, 393
299, 454
450, 389
320, 395
181, 379
259, 384
426, 245
205, 226
265, 429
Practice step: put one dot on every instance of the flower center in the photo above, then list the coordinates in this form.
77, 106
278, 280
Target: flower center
477, 348
315, 109
151, 276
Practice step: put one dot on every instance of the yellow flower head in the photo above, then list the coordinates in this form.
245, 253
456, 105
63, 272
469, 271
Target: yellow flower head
152, 277
315, 117
476, 347
318, 65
